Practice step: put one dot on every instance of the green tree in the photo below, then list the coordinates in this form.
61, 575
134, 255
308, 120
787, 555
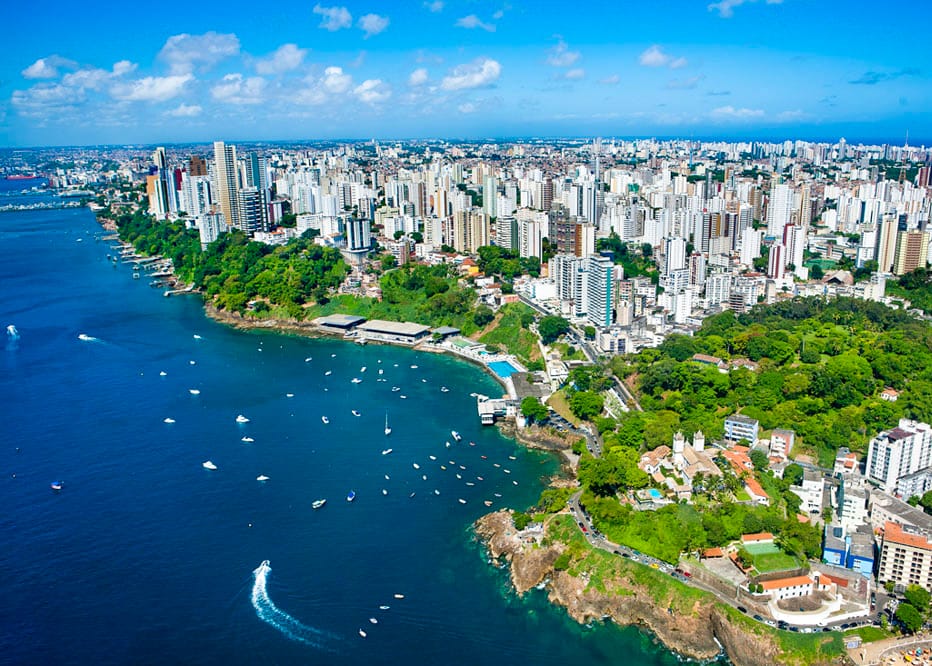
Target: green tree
759, 459
533, 410
918, 597
552, 327
483, 315
586, 404
909, 617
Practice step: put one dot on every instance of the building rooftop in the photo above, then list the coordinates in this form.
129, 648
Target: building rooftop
740, 418
757, 536
781, 583
394, 327
339, 321
896, 534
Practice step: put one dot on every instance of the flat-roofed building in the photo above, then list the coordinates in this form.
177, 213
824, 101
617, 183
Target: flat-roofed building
905, 557
393, 331
894, 454
738, 427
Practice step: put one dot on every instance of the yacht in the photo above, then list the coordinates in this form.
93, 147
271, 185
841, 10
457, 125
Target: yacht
362, 633
356, 380
388, 430
262, 477
385, 452
325, 420
316, 504
355, 412
415, 466
168, 420
86, 338
248, 440
456, 435
194, 391
242, 419
208, 465
289, 395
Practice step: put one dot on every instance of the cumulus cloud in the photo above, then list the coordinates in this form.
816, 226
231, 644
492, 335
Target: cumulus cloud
46, 98
731, 113
151, 88
185, 52
476, 74
335, 81
418, 77
561, 56
237, 89
93, 78
726, 8
473, 21
284, 59
185, 111
47, 68
575, 74
435, 6
372, 91
654, 56
334, 18
372, 24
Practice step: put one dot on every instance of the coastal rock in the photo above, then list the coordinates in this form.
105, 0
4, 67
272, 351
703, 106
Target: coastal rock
698, 630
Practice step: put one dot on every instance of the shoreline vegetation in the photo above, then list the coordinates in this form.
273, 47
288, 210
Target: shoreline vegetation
251, 286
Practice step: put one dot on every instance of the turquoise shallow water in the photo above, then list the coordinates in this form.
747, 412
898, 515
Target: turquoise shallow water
147, 557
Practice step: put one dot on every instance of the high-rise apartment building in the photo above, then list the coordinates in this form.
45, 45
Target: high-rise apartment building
600, 291
899, 452
227, 182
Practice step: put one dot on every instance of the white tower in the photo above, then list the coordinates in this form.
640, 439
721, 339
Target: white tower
698, 442
679, 444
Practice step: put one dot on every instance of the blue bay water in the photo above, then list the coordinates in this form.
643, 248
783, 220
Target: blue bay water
147, 557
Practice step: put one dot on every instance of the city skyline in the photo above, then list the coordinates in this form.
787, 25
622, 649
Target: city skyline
463, 70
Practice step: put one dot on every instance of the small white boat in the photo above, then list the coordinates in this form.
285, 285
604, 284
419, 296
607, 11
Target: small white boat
414, 367
384, 492
163, 374
455, 435
194, 391
459, 476
208, 465
424, 477
350, 496
403, 397
479, 478
436, 492
515, 482
388, 430
462, 501
289, 395
316, 504
387, 477
328, 373
86, 338
362, 633
444, 389
262, 477
470, 483
333, 355
488, 502
511, 458
308, 359
497, 494
399, 596
385, 452
355, 412
192, 362
507, 471
248, 440
432, 457
448, 445
395, 389
242, 419
373, 620
197, 337
384, 607
325, 420
443, 467
381, 371
13, 333
415, 466
168, 420
356, 380
362, 369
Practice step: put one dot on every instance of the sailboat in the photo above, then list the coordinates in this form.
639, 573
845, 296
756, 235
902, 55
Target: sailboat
388, 430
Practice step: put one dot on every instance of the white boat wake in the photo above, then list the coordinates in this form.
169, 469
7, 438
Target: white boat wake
269, 613
12, 332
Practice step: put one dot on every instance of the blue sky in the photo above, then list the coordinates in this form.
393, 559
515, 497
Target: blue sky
88, 73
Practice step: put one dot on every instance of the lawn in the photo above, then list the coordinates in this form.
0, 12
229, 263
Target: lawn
767, 557
562, 407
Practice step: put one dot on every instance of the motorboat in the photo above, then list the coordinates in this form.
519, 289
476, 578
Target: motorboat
383, 607
362, 633
194, 391
415, 466
168, 420
248, 440
197, 337
262, 477
373, 620
385, 452
208, 465
456, 435
86, 338
444, 389
356, 380
325, 420
56, 485
350, 496
462, 501
388, 430
242, 419
316, 504
384, 492
399, 596
289, 395
355, 412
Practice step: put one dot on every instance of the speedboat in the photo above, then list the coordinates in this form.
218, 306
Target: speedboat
248, 440
432, 457
414, 367
395, 389
488, 502
86, 338
289, 395
163, 373
242, 419
385, 452
13, 333
168, 420
388, 430
403, 397
462, 501
444, 389
350, 496
380, 371
384, 607
415, 466
56, 485
362, 369
325, 420
194, 391
316, 504
511, 458
373, 620
455, 435
362, 633
262, 477
399, 596
355, 413
208, 465
384, 492
308, 359
197, 337
356, 380
328, 373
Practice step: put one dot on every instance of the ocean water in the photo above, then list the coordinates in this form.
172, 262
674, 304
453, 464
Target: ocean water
144, 556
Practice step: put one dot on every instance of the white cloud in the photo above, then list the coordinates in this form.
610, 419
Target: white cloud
184, 52
435, 6
372, 24
418, 77
284, 59
334, 18
473, 21
151, 88
480, 72
336, 81
468, 107
93, 78
185, 111
372, 91
46, 98
561, 56
123, 67
499, 14
575, 74
726, 8
47, 68
237, 89
731, 113
654, 56
610, 80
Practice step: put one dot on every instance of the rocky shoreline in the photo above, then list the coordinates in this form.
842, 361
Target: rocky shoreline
700, 632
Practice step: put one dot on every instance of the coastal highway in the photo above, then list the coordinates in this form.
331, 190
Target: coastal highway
598, 540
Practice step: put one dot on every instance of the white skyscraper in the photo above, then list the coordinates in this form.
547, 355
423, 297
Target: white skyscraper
227, 182
600, 291
779, 209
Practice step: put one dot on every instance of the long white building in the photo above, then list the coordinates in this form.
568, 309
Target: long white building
896, 453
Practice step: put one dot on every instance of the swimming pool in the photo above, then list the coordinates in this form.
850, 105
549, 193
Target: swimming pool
503, 368
655, 494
